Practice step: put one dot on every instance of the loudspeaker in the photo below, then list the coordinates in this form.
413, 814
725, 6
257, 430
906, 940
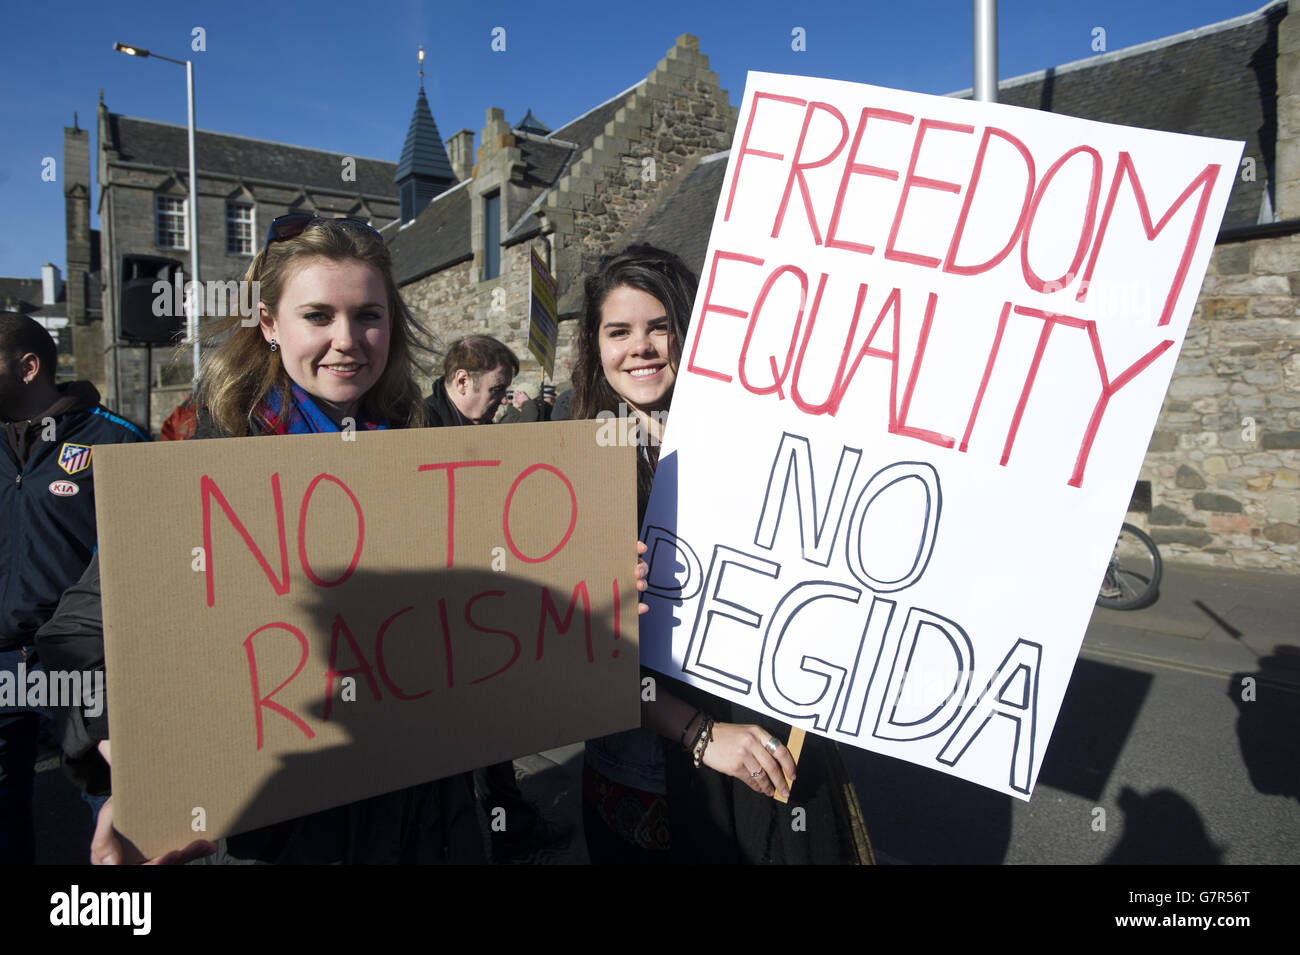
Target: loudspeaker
138, 320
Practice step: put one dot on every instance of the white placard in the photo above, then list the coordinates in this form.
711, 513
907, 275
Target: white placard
930, 345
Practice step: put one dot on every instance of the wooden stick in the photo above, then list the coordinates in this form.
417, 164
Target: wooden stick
795, 746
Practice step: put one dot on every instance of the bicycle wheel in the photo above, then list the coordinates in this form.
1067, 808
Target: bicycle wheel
1134, 571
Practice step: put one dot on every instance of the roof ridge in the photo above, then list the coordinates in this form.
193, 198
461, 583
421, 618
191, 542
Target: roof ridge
616, 96
251, 139
1160, 43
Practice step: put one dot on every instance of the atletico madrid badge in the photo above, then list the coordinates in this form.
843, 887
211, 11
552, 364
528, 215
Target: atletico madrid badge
74, 458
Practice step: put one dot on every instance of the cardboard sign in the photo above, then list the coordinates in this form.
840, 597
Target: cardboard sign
301, 622
930, 346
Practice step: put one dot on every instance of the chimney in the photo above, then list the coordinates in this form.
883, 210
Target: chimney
76, 204
51, 283
496, 133
460, 151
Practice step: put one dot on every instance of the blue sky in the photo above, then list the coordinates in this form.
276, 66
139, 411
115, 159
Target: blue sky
341, 75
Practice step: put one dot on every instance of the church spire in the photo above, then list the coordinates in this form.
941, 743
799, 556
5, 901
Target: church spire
424, 171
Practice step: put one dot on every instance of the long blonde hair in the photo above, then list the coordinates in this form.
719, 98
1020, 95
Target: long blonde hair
242, 372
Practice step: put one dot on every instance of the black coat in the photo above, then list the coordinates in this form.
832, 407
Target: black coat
47, 506
442, 413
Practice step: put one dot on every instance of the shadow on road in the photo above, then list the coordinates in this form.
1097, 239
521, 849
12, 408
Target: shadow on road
1089, 735
923, 817
1162, 828
1268, 704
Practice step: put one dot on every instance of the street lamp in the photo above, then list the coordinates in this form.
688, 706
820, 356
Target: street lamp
985, 87
191, 301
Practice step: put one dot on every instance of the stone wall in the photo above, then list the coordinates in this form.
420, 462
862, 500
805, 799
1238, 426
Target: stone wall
679, 112
1224, 461
453, 305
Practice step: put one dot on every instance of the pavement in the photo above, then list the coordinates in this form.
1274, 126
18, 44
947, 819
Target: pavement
1219, 623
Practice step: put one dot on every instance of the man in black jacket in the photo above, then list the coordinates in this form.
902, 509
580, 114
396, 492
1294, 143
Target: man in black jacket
47, 504
477, 371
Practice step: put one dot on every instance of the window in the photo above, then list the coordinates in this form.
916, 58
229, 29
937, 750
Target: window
239, 230
172, 219
491, 236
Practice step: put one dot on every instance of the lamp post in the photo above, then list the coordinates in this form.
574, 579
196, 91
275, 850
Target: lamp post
985, 87
191, 301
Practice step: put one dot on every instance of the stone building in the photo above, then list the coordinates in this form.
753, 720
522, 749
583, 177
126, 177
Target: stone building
571, 195
142, 174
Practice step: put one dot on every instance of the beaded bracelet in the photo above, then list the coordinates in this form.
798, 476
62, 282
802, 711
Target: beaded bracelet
703, 737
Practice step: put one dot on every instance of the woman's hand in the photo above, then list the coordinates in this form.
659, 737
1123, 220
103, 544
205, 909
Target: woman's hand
642, 568
108, 848
737, 750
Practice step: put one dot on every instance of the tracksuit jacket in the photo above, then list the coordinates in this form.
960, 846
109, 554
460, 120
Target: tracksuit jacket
47, 505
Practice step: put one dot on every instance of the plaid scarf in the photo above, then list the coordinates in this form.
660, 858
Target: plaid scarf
303, 416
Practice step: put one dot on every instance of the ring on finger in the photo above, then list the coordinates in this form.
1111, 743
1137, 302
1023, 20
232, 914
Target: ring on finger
772, 744
756, 774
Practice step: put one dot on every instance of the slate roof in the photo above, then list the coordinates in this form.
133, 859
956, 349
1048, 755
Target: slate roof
435, 239
1219, 80
683, 220
543, 159
21, 295
166, 145
423, 154
680, 223
440, 234
591, 124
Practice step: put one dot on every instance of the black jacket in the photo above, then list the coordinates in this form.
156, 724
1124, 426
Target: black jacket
442, 413
47, 505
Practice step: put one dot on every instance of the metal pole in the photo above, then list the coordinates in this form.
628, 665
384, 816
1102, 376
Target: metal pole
986, 50
193, 307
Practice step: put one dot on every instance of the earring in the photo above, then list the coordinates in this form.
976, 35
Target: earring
274, 346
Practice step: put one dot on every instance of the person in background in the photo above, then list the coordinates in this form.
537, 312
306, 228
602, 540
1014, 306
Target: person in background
524, 406
47, 505
180, 424
546, 405
477, 372
695, 783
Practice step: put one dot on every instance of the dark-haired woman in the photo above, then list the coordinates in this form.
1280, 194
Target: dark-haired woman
696, 783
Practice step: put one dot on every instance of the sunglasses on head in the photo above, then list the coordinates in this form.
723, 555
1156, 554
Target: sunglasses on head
295, 223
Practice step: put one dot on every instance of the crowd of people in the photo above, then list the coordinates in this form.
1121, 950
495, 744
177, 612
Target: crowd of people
334, 341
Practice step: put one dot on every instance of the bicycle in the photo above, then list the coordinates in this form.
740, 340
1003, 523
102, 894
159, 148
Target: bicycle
1132, 577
